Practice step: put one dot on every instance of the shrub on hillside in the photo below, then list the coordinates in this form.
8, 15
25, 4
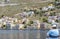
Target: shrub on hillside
45, 20
53, 14
57, 20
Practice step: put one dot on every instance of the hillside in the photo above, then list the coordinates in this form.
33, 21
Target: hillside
11, 10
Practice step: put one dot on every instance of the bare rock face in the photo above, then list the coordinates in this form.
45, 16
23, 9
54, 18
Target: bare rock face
42, 26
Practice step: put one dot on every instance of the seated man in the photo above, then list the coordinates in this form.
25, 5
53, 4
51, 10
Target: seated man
53, 33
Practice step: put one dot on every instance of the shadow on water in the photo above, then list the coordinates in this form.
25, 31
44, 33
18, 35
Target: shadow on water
23, 34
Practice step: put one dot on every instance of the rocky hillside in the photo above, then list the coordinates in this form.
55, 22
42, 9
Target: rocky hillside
11, 10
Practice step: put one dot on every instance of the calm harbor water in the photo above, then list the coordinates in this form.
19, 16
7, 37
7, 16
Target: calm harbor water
23, 34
